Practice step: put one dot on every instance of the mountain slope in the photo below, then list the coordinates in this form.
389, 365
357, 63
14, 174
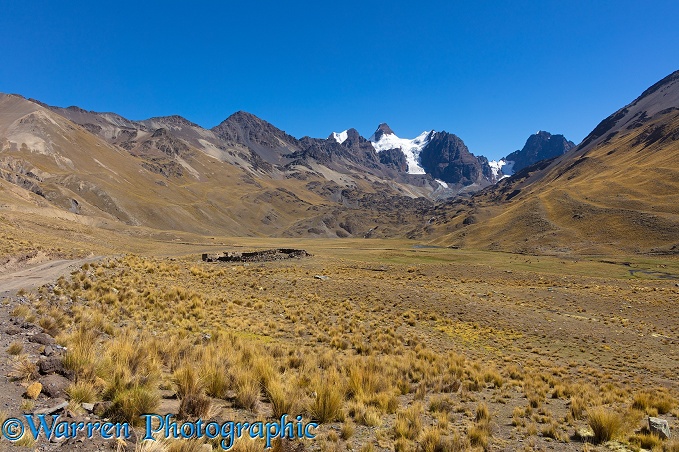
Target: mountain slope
167, 173
616, 191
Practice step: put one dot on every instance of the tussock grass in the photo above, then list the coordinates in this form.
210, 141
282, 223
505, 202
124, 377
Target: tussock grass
23, 369
130, 404
659, 400
408, 422
605, 423
82, 392
326, 406
248, 390
248, 338
15, 348
479, 435
284, 398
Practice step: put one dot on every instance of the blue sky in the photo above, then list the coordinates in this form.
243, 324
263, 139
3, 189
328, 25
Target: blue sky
490, 72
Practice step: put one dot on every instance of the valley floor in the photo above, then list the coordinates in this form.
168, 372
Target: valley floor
388, 345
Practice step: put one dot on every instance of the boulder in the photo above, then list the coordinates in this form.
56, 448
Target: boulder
54, 385
42, 338
33, 390
659, 426
51, 365
12, 330
89, 407
59, 404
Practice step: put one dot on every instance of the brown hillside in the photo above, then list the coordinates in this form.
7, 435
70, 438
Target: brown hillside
618, 190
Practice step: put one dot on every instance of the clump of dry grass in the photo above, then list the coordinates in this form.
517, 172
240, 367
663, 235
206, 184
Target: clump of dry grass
283, 397
24, 369
482, 413
578, 406
431, 440
248, 389
605, 423
348, 430
479, 435
480, 432
647, 441
82, 392
21, 312
15, 348
215, 378
660, 401
129, 404
326, 406
81, 353
671, 445
191, 391
408, 422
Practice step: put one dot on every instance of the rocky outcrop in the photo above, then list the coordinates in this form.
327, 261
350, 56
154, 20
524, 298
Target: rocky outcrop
447, 158
540, 146
166, 143
660, 427
354, 149
255, 133
394, 158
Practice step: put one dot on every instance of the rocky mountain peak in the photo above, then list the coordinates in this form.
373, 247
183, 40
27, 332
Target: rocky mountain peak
382, 129
539, 146
173, 120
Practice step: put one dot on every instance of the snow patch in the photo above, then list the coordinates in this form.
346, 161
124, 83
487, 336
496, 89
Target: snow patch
340, 137
501, 168
508, 168
410, 148
443, 184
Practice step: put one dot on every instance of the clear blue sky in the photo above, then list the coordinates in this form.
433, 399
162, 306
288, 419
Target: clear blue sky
490, 72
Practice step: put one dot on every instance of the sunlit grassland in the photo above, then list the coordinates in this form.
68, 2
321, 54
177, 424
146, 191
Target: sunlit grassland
396, 350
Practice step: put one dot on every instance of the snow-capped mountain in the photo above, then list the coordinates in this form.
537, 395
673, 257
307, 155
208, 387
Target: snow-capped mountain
444, 156
440, 155
385, 139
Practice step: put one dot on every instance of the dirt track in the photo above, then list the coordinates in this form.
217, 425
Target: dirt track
29, 278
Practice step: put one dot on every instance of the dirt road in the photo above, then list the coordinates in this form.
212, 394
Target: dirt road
29, 278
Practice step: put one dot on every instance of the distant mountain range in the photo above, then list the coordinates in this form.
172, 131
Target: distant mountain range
247, 177
441, 155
